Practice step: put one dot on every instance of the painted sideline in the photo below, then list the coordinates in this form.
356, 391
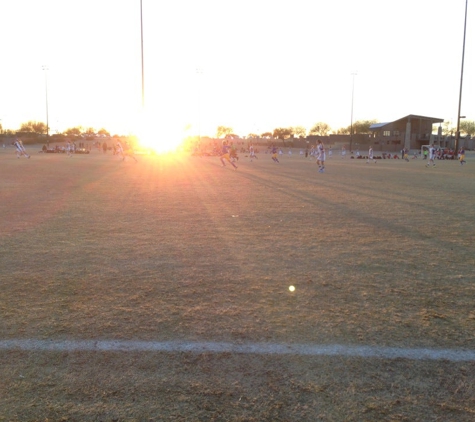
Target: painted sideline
454, 355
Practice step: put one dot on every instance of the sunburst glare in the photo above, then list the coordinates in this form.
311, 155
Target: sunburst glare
159, 138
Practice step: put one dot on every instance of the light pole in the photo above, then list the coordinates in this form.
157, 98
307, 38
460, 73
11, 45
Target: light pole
45, 69
457, 133
352, 98
199, 72
141, 48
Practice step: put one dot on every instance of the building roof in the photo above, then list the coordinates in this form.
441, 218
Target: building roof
379, 125
408, 117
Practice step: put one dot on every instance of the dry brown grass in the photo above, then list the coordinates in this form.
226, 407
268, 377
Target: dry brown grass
180, 248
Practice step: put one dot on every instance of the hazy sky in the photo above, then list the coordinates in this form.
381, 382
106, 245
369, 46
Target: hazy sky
264, 64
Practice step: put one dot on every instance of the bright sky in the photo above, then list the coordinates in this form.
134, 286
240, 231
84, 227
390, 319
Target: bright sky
264, 64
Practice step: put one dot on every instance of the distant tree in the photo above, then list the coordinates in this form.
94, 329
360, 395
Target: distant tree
73, 131
447, 128
266, 135
102, 131
252, 136
467, 127
343, 131
26, 127
34, 127
319, 129
40, 127
299, 131
360, 126
223, 131
283, 133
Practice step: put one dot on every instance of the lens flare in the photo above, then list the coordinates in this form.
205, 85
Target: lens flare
158, 136
159, 141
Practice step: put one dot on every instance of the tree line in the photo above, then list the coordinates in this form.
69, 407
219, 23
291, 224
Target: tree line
40, 128
467, 127
318, 129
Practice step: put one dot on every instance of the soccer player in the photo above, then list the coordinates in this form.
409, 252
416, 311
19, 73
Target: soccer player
431, 156
69, 149
312, 151
343, 152
233, 153
120, 150
252, 153
274, 154
225, 155
320, 156
370, 155
20, 149
129, 151
462, 156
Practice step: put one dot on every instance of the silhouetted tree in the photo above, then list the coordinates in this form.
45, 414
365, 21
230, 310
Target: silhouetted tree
34, 127
319, 129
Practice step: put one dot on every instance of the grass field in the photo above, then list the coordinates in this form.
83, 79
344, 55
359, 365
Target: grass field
176, 248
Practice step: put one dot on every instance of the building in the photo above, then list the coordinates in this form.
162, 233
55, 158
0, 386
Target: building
409, 132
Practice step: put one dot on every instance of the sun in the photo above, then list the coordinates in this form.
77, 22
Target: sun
160, 139
159, 143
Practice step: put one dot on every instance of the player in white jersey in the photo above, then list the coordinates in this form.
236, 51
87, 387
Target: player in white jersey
20, 149
370, 156
129, 151
69, 149
431, 162
252, 153
343, 152
126, 151
120, 150
320, 156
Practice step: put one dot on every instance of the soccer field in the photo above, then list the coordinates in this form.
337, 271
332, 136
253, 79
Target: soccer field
194, 261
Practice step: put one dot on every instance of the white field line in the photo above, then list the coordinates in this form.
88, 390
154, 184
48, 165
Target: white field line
453, 355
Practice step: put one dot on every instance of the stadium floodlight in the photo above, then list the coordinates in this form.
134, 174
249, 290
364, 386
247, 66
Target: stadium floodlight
199, 72
141, 47
352, 98
45, 69
457, 132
